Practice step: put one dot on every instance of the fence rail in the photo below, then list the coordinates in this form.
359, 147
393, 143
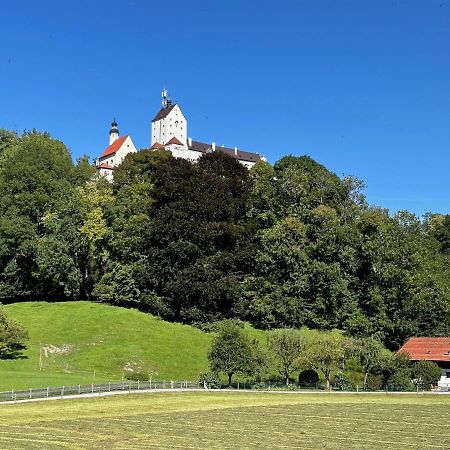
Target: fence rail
128, 385
94, 388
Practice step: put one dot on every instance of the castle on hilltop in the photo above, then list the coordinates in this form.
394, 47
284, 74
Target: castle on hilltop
169, 132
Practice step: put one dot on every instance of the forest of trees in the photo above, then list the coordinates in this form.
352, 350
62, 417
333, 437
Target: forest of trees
287, 245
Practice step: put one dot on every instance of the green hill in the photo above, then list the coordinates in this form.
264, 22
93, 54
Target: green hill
84, 342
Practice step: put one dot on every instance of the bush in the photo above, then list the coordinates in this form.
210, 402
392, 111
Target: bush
209, 380
374, 382
137, 376
341, 382
308, 377
400, 381
426, 374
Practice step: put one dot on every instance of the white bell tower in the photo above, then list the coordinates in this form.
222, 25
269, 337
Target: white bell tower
113, 132
168, 123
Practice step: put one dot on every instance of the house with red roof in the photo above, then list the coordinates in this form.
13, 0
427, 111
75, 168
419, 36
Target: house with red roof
115, 153
436, 349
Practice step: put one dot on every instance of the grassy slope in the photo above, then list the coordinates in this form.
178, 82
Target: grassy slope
102, 338
230, 420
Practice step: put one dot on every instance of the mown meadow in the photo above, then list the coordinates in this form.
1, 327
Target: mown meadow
230, 420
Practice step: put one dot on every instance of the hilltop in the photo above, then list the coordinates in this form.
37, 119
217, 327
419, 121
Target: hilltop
84, 342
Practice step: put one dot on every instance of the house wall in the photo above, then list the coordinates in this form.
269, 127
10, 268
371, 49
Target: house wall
116, 158
107, 173
191, 155
444, 382
127, 147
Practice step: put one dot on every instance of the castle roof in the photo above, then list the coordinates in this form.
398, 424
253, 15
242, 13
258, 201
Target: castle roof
163, 112
238, 154
157, 146
175, 141
105, 166
427, 348
114, 147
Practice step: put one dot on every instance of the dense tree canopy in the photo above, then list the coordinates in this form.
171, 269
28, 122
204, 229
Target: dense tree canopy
287, 245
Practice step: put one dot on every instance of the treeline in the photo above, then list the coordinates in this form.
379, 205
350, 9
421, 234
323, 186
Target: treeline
287, 245
344, 362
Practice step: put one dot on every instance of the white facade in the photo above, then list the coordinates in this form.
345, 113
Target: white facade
115, 153
444, 382
183, 152
114, 156
169, 123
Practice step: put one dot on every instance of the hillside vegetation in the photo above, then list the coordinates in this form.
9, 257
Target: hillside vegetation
74, 339
284, 245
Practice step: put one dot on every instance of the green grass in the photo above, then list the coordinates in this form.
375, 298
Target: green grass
100, 341
230, 420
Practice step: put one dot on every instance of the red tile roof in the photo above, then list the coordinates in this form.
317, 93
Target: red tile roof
114, 147
157, 146
174, 140
105, 166
428, 348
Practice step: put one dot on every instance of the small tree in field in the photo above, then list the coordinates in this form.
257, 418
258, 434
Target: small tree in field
12, 337
325, 353
286, 347
370, 354
231, 351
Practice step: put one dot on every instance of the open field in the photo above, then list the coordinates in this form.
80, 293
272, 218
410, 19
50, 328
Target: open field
85, 342
230, 420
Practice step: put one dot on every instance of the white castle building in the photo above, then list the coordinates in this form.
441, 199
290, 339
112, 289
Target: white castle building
168, 131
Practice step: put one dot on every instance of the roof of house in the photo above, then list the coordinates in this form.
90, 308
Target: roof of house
163, 112
114, 147
157, 146
238, 154
175, 141
427, 348
105, 166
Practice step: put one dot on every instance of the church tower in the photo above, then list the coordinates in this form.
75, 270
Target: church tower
169, 123
113, 132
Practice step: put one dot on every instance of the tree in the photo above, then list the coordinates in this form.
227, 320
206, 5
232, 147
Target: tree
35, 180
398, 372
370, 354
231, 351
326, 352
426, 374
12, 337
286, 347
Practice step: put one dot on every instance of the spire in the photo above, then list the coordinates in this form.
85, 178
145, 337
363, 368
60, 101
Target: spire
113, 132
166, 101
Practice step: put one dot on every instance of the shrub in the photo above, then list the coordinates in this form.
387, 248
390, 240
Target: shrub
374, 382
209, 380
341, 382
426, 374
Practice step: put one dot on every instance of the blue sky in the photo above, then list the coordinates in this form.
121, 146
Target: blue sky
361, 86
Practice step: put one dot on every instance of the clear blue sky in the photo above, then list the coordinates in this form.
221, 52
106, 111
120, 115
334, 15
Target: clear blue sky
361, 86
